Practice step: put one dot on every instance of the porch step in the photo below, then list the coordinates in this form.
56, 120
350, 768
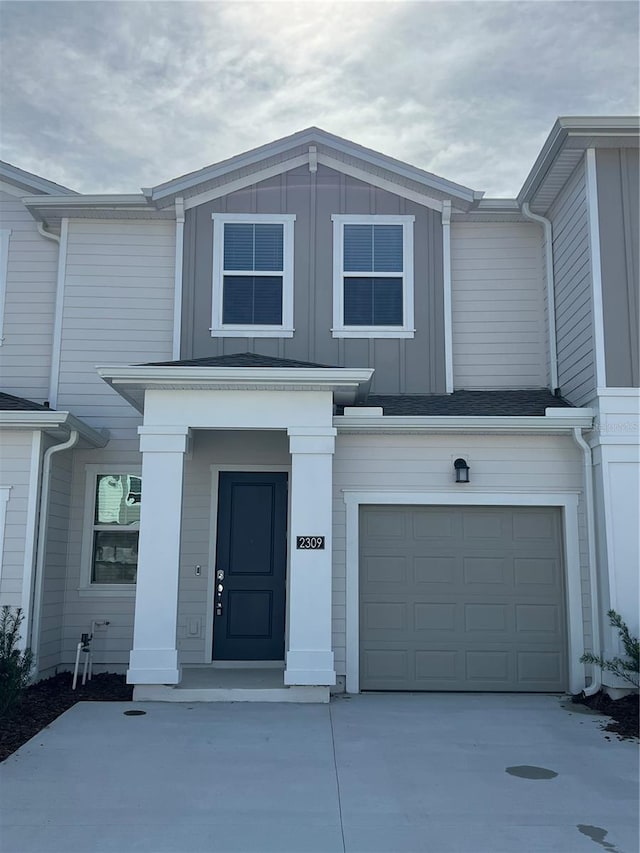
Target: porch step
166, 693
212, 684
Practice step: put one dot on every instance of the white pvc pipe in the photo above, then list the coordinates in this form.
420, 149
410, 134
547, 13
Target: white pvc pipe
551, 300
36, 602
596, 681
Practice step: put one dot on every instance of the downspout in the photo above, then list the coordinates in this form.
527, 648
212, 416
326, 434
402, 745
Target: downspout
177, 291
596, 682
57, 320
36, 601
551, 299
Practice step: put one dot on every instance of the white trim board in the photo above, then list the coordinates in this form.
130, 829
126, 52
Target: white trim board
5, 235
4, 497
593, 220
568, 501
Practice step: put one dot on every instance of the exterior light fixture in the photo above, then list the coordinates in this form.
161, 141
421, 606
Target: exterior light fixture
462, 471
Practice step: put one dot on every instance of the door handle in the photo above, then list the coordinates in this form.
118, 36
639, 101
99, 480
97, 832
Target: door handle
219, 590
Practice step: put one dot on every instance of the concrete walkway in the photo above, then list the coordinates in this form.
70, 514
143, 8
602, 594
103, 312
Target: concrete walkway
387, 773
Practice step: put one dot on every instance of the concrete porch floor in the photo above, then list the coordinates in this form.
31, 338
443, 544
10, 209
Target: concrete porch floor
227, 684
378, 773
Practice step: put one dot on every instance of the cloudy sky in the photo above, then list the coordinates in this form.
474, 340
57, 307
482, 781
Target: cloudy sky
113, 96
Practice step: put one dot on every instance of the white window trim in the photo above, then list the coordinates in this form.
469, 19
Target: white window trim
5, 234
225, 330
87, 588
339, 330
4, 497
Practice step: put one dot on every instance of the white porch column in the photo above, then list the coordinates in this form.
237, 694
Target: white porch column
154, 657
309, 652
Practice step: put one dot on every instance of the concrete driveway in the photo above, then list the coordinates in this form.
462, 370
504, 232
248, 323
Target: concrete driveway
386, 773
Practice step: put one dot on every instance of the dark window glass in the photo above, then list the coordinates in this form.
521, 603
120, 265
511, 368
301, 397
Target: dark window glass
253, 246
252, 300
115, 556
373, 248
373, 302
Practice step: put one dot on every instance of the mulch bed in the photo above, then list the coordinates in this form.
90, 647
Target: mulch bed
623, 711
41, 703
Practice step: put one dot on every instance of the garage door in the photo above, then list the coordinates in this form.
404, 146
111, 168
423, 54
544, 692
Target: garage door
461, 598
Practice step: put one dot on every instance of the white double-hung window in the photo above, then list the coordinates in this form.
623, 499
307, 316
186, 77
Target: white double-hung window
372, 276
252, 275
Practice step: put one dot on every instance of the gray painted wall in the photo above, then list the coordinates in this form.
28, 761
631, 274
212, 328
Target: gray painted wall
618, 181
572, 272
402, 366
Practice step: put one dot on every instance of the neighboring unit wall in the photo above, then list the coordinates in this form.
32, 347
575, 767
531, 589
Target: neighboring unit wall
118, 309
25, 350
424, 463
497, 296
54, 579
19, 461
402, 366
618, 183
572, 273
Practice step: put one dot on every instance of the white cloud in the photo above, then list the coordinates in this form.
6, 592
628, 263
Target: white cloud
113, 96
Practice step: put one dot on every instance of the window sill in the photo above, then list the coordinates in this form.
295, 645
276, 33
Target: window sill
107, 591
366, 332
252, 332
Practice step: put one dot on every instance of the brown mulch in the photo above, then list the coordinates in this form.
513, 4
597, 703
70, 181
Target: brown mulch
42, 702
623, 711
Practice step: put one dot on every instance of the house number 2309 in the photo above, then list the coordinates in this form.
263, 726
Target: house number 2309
310, 543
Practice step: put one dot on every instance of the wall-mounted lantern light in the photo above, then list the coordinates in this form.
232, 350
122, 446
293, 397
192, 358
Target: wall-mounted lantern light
462, 471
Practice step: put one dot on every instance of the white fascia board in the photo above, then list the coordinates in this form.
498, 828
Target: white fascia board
448, 423
312, 136
14, 175
574, 126
53, 420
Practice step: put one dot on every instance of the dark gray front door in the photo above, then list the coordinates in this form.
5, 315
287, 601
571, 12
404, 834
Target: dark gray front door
251, 551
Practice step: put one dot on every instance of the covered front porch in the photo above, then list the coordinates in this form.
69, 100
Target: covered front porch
234, 578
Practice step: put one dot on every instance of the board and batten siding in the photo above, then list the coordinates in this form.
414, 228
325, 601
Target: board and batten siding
401, 365
32, 268
498, 306
618, 182
49, 643
573, 285
118, 309
424, 463
15, 472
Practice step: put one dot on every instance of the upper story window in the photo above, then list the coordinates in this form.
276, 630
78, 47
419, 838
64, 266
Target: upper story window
252, 275
372, 276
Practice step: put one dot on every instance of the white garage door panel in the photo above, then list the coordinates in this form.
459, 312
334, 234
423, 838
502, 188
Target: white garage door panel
461, 598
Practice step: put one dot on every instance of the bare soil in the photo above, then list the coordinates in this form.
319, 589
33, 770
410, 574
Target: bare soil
42, 702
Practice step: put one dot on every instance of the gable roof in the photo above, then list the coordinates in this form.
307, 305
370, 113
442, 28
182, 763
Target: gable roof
27, 183
311, 146
564, 148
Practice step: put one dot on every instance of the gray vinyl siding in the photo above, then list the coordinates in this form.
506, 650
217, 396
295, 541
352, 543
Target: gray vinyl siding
618, 184
402, 366
15, 472
25, 352
498, 308
55, 573
573, 283
118, 309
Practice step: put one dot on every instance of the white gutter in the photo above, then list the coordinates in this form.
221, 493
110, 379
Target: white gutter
177, 290
596, 682
36, 600
56, 341
446, 274
551, 296
569, 420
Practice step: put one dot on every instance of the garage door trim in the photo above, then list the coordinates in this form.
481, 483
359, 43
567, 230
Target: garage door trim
567, 501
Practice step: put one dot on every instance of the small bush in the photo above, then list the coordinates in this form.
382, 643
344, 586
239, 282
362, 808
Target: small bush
15, 665
628, 669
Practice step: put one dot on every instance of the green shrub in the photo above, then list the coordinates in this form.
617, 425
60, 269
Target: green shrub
15, 665
628, 669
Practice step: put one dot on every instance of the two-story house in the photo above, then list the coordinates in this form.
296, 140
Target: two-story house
312, 415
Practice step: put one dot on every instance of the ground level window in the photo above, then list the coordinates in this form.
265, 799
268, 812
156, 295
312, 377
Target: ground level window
116, 522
